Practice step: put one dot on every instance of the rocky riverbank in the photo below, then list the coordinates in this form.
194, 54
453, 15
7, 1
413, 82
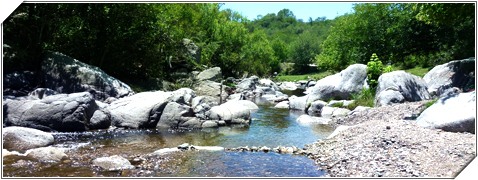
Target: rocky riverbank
379, 143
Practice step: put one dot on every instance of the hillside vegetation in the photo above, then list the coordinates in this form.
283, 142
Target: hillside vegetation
147, 41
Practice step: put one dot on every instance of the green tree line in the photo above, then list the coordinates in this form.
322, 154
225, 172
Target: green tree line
145, 41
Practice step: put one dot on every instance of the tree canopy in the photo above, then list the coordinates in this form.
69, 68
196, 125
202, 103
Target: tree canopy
131, 41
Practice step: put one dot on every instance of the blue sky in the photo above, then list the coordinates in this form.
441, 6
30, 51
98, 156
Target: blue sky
302, 10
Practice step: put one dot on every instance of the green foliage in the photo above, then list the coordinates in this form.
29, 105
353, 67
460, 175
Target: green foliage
294, 78
404, 34
387, 69
338, 105
365, 98
430, 103
374, 70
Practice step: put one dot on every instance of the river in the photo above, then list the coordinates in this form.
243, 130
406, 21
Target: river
269, 127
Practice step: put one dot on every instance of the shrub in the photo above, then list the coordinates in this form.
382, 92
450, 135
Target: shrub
374, 70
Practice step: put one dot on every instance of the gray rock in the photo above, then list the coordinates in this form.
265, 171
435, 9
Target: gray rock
112, 163
269, 83
67, 75
211, 74
209, 124
329, 112
210, 88
142, 110
192, 49
282, 105
22, 139
173, 115
315, 108
183, 96
232, 110
456, 113
61, 112
191, 123
458, 73
341, 85
101, 119
411, 87
248, 84
289, 86
302, 103
202, 104
308, 120
39, 93
47, 154
389, 97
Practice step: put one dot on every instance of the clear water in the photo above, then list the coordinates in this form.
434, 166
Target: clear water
270, 127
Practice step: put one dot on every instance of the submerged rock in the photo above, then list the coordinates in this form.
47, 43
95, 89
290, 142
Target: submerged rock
112, 163
47, 154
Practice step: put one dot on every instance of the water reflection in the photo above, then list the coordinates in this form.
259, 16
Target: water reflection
270, 127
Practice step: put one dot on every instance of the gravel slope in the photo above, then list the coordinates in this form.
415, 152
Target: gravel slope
381, 144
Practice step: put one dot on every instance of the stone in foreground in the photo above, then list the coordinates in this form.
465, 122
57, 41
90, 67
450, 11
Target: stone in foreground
456, 113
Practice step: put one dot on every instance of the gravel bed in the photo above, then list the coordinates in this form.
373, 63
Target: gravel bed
381, 144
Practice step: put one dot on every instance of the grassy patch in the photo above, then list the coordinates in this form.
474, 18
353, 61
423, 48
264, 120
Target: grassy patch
418, 71
430, 103
294, 78
364, 98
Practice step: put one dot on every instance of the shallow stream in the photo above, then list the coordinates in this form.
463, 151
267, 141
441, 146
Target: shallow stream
269, 127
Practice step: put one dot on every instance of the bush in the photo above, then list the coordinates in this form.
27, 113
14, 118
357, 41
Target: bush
374, 70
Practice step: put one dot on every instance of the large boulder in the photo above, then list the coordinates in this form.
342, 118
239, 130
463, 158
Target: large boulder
341, 85
455, 113
211, 74
67, 75
19, 83
142, 110
411, 88
145, 110
232, 110
61, 112
22, 139
458, 73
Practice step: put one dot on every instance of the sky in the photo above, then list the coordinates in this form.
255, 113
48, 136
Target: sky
301, 10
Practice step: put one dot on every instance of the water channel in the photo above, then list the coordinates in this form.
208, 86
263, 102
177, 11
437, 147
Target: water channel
269, 127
